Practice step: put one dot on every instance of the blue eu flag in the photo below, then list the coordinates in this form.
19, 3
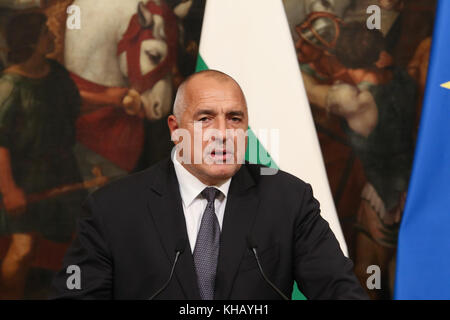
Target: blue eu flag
423, 259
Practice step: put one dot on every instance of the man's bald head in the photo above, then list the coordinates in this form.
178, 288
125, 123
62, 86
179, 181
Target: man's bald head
181, 99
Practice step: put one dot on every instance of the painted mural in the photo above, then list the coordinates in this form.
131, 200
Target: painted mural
365, 87
85, 90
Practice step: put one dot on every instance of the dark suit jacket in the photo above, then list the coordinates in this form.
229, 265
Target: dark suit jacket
126, 243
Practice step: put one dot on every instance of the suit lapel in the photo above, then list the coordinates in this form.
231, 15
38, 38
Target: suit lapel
240, 212
166, 210
167, 213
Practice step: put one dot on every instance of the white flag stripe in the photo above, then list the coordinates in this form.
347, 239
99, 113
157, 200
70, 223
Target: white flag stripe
251, 41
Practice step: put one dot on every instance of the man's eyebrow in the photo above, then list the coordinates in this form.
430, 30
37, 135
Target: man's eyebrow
204, 111
235, 113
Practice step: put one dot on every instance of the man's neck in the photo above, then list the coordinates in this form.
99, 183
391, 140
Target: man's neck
205, 180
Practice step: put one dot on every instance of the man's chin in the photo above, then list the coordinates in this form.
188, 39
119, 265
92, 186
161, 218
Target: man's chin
221, 171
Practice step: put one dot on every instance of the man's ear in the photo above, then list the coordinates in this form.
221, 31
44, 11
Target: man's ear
173, 125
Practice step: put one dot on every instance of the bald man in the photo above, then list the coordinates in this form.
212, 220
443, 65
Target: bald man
204, 224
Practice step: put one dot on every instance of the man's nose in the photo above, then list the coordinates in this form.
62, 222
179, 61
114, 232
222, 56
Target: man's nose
222, 128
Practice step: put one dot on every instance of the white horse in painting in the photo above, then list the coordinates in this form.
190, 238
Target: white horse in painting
91, 53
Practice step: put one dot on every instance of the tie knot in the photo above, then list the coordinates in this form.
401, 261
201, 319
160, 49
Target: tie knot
210, 193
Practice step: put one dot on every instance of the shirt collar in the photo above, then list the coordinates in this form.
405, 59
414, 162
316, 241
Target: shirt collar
190, 186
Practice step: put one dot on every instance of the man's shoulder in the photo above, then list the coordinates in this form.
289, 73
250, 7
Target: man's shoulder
280, 189
275, 179
134, 185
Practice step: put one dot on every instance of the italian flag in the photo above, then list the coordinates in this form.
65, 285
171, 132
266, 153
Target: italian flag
250, 40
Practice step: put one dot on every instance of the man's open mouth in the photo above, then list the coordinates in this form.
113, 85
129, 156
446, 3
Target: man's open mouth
221, 155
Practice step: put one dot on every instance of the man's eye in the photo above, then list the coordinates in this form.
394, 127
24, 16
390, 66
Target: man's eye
236, 119
203, 119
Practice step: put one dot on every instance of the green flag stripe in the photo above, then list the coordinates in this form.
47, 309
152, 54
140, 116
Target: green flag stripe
201, 65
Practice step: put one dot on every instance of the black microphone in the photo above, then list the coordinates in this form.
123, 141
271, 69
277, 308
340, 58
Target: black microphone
252, 246
179, 249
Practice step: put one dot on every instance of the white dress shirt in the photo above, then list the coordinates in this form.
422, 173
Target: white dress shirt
194, 204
